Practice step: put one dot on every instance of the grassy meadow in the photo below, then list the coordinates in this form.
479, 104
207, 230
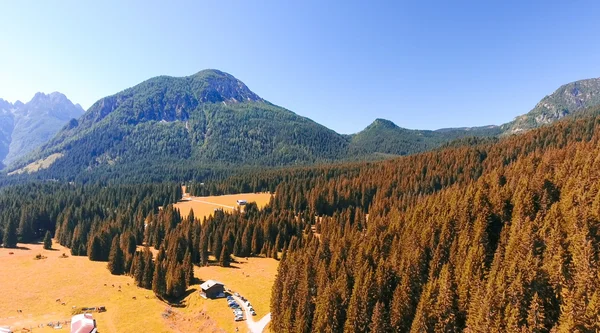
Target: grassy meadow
33, 286
205, 206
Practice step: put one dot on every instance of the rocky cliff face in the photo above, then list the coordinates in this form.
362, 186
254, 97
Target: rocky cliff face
566, 100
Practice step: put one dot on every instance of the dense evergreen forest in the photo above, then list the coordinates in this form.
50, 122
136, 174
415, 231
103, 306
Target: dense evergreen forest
493, 238
481, 236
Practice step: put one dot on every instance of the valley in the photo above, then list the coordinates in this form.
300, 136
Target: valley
299, 167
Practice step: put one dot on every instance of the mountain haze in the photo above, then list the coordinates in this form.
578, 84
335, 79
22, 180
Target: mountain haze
25, 127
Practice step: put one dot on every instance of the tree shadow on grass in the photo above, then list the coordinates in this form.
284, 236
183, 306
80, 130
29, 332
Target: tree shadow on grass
216, 263
180, 302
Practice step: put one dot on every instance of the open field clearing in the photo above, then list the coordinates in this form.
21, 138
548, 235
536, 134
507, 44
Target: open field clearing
34, 286
38, 165
205, 206
252, 279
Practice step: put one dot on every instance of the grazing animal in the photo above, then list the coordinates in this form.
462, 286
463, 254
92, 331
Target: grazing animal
147, 297
58, 300
105, 284
63, 303
134, 297
119, 290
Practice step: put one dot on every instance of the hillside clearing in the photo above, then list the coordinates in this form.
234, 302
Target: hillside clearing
205, 206
38, 165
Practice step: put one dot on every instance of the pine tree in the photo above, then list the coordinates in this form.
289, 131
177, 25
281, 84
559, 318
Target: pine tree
10, 234
380, 321
159, 284
328, 312
356, 320
191, 216
246, 241
203, 248
536, 316
138, 268
26, 227
592, 314
224, 258
256, 241
237, 247
48, 241
115, 259
148, 269
95, 249
189, 269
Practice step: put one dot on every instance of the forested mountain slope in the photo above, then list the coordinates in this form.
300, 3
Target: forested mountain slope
493, 238
169, 128
383, 136
207, 117
211, 119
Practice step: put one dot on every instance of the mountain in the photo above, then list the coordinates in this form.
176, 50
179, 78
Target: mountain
385, 137
208, 118
24, 127
566, 100
177, 126
6, 127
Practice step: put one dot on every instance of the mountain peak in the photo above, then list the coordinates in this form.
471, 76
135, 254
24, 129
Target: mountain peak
54, 97
565, 100
383, 123
5, 105
215, 86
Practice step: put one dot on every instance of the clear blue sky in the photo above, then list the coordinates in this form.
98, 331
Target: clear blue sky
421, 64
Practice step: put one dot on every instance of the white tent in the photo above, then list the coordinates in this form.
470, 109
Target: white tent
83, 323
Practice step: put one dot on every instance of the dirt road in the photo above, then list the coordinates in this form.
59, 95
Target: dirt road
254, 326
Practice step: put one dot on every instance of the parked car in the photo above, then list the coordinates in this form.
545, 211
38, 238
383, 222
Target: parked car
252, 312
239, 318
